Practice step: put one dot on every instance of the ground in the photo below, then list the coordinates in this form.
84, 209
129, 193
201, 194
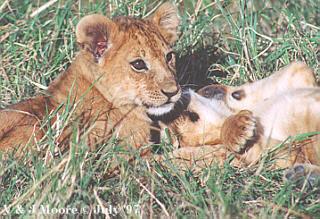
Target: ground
229, 42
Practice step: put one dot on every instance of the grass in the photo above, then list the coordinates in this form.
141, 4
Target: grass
226, 41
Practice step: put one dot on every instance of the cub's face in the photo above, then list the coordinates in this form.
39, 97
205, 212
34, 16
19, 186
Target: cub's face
132, 59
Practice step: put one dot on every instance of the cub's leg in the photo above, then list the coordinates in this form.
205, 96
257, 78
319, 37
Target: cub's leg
242, 134
240, 131
296, 75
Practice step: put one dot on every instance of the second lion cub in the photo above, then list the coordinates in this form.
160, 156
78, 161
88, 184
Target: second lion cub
259, 116
268, 112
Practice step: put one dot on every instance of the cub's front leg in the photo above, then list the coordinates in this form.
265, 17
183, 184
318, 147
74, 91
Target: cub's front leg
241, 131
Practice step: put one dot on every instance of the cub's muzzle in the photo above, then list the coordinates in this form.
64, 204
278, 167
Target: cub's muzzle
213, 91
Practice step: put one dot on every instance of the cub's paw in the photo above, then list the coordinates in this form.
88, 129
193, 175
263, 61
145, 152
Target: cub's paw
239, 132
302, 174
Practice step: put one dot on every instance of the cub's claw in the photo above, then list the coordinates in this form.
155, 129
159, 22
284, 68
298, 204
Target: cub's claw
239, 132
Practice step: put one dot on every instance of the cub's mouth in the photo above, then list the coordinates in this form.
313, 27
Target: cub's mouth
167, 107
170, 110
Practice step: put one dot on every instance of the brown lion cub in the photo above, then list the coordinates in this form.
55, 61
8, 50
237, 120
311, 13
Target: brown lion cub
124, 70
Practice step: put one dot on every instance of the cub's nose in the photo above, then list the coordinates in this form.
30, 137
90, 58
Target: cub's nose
170, 94
213, 92
170, 88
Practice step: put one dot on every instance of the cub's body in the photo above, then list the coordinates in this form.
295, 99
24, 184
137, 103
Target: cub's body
125, 68
96, 117
252, 119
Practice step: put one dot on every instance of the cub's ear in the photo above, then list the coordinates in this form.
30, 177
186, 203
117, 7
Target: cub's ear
167, 20
93, 34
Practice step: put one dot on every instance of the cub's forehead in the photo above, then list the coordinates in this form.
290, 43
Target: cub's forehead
144, 33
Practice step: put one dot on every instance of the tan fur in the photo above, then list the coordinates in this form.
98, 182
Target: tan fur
294, 76
282, 105
288, 114
199, 133
263, 115
297, 75
107, 94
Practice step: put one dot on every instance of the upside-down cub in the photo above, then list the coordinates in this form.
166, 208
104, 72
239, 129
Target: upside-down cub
252, 119
268, 112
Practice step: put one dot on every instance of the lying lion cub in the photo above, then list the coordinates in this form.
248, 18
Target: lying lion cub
124, 70
252, 119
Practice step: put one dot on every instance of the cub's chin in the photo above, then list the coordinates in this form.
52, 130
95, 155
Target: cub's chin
170, 111
160, 110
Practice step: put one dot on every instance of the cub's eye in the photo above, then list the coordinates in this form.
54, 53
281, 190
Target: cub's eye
170, 56
139, 65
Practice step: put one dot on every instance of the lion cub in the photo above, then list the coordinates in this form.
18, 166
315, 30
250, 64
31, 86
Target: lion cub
267, 112
252, 119
124, 71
